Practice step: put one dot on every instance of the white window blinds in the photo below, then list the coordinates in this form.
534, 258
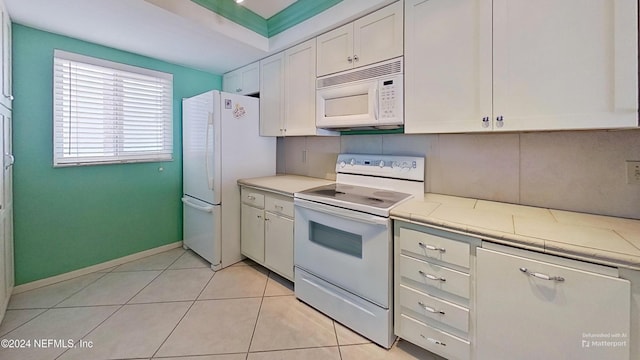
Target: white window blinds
106, 112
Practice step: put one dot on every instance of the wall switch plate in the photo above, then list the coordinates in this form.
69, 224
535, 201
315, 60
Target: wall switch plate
633, 172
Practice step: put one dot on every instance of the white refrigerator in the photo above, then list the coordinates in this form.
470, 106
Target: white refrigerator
220, 144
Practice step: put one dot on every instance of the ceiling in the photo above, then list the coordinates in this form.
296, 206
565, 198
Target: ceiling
179, 31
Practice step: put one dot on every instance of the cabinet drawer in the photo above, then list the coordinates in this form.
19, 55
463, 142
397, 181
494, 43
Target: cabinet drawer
431, 275
252, 198
434, 340
435, 247
434, 308
279, 205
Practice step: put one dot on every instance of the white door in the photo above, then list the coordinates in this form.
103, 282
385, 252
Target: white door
448, 78
202, 229
197, 147
335, 50
565, 64
349, 249
278, 244
272, 95
300, 89
526, 317
252, 233
378, 36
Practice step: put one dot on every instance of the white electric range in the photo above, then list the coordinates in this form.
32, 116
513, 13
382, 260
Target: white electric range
343, 240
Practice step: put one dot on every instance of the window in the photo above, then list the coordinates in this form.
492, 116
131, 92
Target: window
106, 112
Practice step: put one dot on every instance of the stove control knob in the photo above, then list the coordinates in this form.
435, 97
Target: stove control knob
352, 162
381, 164
342, 164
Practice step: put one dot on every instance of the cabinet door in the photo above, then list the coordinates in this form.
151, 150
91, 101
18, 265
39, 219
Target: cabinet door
565, 64
250, 79
300, 89
252, 233
278, 248
335, 50
272, 95
447, 65
525, 317
378, 36
231, 82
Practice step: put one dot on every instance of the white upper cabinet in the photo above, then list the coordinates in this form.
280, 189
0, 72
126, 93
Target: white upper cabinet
370, 39
243, 81
272, 95
514, 65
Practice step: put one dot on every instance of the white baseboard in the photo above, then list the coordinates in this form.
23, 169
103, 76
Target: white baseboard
90, 269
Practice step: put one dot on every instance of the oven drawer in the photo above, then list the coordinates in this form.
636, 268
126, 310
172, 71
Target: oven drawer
434, 340
279, 204
435, 276
252, 197
435, 247
434, 308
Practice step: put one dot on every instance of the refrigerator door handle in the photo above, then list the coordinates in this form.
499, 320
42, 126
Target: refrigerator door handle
198, 207
206, 153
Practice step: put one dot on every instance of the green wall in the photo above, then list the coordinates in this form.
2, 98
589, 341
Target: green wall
69, 218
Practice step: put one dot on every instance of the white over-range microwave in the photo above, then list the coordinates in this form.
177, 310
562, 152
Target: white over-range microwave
370, 97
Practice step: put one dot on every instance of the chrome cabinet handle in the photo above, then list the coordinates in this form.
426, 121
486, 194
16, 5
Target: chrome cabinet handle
485, 122
349, 59
432, 340
355, 58
500, 121
279, 207
431, 277
251, 197
430, 309
541, 275
431, 247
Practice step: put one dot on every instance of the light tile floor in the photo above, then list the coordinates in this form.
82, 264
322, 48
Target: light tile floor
173, 306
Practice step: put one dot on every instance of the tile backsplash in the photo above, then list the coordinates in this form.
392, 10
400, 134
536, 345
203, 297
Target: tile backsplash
580, 171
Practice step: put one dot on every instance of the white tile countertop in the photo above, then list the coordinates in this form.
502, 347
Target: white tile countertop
284, 184
595, 238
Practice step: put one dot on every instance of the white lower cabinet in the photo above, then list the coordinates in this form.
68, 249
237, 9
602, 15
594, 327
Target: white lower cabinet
536, 306
434, 289
266, 234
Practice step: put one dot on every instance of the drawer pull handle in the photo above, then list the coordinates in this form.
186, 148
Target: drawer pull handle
431, 277
430, 309
279, 208
541, 276
251, 197
431, 247
432, 340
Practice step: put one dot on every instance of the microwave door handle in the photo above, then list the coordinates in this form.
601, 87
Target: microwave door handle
377, 106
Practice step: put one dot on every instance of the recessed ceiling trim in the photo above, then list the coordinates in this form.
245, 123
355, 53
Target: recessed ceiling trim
236, 13
292, 15
296, 13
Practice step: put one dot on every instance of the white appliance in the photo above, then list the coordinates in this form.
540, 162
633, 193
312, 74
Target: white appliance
343, 241
370, 96
220, 144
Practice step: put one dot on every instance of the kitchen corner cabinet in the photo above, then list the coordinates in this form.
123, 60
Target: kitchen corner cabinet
434, 289
266, 234
536, 306
513, 65
370, 39
288, 93
243, 81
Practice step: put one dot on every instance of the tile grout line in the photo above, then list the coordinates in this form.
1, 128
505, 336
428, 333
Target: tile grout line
335, 331
253, 333
185, 313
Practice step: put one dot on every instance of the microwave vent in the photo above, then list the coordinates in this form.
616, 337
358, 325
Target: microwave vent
371, 72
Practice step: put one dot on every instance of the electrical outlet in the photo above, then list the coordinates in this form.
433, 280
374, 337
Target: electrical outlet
633, 172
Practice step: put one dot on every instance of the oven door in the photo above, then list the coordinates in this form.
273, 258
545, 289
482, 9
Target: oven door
349, 249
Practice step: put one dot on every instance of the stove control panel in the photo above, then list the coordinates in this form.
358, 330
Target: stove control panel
400, 167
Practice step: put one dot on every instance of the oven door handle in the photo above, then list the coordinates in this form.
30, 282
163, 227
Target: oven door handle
343, 213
